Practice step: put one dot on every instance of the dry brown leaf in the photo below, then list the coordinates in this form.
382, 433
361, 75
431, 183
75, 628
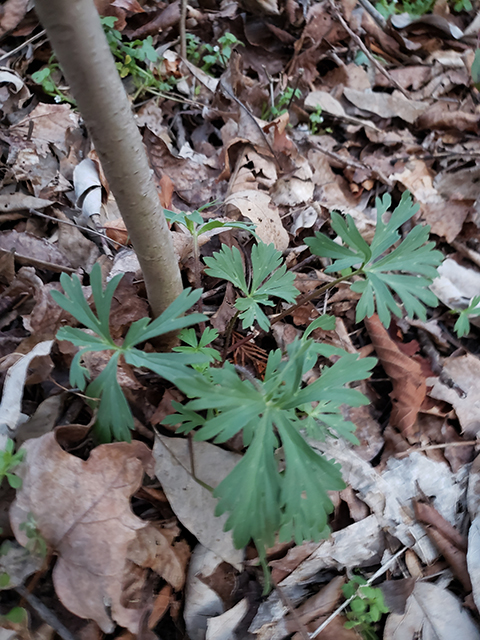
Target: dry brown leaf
386, 105
257, 206
465, 372
154, 548
409, 387
320, 604
82, 510
445, 218
29, 246
439, 116
12, 13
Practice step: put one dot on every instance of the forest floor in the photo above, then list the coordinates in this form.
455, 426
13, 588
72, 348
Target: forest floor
281, 114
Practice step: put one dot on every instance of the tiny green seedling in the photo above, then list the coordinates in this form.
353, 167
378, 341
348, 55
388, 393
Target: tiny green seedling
45, 78
462, 325
17, 615
137, 60
194, 345
366, 607
220, 54
194, 223
209, 55
8, 461
316, 120
475, 71
269, 278
281, 104
36, 544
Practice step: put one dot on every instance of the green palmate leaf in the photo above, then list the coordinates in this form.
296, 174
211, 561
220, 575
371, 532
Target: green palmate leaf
325, 322
269, 278
261, 498
250, 493
114, 418
406, 271
227, 264
194, 345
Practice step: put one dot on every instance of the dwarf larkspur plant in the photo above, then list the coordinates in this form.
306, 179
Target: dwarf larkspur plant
281, 483
114, 418
407, 270
260, 497
269, 279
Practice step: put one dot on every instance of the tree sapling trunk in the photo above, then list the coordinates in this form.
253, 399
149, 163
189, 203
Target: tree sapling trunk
76, 35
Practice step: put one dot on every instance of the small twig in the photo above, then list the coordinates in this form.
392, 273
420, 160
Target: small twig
248, 376
436, 362
344, 605
183, 29
429, 447
367, 52
190, 472
231, 95
310, 296
24, 44
45, 614
114, 243
376, 15
465, 251
287, 603
297, 80
354, 164
228, 335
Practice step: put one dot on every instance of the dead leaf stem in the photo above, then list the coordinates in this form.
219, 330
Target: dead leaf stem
367, 52
44, 613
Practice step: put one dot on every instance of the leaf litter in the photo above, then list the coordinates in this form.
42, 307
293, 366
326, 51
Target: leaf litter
320, 109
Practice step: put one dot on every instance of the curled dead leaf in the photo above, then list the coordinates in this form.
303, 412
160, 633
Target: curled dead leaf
257, 206
82, 510
409, 386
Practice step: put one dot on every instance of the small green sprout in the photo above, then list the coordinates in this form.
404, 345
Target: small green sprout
366, 608
316, 120
462, 325
8, 461
281, 104
194, 345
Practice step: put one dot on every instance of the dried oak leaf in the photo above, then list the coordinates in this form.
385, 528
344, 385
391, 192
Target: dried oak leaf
82, 510
409, 386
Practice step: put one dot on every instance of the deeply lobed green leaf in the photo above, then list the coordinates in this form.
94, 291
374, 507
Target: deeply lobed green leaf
269, 278
114, 418
406, 271
261, 498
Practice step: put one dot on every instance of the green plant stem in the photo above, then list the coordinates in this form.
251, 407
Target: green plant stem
77, 36
312, 295
228, 334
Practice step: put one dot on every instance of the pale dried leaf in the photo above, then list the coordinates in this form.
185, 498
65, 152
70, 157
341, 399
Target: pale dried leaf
10, 407
223, 627
433, 612
82, 510
194, 505
201, 601
465, 372
257, 206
